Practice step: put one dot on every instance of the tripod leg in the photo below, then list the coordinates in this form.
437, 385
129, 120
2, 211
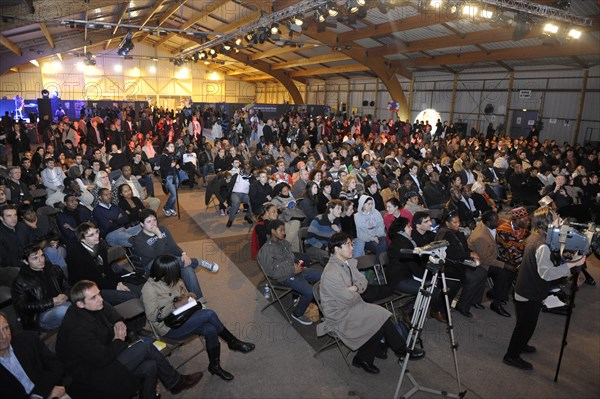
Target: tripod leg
567, 323
453, 343
418, 320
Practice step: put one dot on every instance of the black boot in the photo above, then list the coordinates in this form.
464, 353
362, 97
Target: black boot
214, 366
235, 344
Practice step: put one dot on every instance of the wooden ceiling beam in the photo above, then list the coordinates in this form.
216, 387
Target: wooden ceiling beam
47, 34
197, 17
470, 39
164, 16
400, 25
242, 71
274, 52
157, 5
321, 59
6, 42
282, 77
517, 53
332, 70
122, 10
257, 78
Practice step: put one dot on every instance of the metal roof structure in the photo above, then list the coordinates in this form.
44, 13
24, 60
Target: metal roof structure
387, 39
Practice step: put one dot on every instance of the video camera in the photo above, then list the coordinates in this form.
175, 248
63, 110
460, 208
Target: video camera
570, 238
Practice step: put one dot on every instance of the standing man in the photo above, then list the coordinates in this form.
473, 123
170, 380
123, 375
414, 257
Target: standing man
91, 343
533, 283
11, 249
287, 269
239, 193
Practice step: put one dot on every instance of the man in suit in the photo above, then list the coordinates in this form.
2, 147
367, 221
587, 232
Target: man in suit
96, 136
27, 367
483, 241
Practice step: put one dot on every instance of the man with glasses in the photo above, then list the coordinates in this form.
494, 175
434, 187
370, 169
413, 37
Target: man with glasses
360, 325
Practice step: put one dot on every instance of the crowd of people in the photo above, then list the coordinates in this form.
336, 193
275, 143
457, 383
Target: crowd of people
319, 190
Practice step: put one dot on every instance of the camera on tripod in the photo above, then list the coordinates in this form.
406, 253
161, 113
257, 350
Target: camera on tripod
572, 238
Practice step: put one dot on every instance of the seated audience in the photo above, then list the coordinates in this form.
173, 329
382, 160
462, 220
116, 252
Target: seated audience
164, 292
287, 268
92, 344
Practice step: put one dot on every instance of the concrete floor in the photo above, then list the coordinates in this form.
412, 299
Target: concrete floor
283, 365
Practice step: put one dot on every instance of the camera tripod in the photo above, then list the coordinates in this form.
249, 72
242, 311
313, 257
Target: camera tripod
435, 267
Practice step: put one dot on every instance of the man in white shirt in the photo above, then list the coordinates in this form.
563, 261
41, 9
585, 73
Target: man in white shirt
239, 193
52, 177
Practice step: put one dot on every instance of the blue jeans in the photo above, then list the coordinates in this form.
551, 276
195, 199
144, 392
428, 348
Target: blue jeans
146, 181
206, 169
170, 205
377, 248
56, 256
236, 200
408, 286
51, 319
115, 297
120, 237
301, 284
144, 361
204, 322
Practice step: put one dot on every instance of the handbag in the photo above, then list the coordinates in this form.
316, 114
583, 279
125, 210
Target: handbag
176, 320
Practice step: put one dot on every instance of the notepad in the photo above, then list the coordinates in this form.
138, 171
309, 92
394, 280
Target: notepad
191, 303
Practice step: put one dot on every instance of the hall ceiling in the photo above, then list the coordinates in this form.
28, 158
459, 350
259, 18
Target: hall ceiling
400, 42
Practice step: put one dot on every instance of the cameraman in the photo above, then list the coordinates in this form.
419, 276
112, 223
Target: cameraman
533, 283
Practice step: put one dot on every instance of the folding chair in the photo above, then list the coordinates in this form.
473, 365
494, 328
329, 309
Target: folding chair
171, 344
215, 203
369, 261
117, 256
278, 292
332, 336
302, 234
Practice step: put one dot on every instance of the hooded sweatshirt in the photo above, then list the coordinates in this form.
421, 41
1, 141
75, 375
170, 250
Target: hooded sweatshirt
368, 225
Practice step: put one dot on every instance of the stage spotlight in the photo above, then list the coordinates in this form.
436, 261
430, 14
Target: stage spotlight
574, 34
226, 48
332, 9
126, 45
382, 6
320, 16
550, 28
352, 6
470, 10
298, 20
361, 2
238, 41
263, 35
202, 55
249, 37
45, 93
196, 57
274, 29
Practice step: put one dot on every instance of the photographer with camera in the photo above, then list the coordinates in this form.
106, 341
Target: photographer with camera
536, 272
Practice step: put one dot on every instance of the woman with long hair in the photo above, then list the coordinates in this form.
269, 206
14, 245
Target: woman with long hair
164, 292
129, 203
309, 202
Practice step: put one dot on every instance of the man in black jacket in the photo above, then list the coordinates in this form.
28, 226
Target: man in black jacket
40, 371
40, 291
10, 247
91, 343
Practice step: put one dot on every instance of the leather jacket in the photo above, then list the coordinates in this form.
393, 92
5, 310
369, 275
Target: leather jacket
30, 293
